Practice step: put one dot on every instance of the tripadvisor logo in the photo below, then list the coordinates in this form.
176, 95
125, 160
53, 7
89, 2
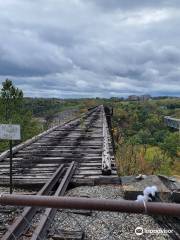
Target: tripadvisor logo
139, 231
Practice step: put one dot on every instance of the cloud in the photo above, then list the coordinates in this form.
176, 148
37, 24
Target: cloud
133, 5
92, 48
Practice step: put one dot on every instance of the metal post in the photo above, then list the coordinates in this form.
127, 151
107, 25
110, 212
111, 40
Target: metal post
10, 167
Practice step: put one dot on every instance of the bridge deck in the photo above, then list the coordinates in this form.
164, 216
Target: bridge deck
80, 140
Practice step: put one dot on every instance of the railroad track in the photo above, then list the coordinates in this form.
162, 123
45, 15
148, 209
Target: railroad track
22, 226
76, 152
80, 140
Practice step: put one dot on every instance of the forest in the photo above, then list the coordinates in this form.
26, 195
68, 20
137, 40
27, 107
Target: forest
143, 143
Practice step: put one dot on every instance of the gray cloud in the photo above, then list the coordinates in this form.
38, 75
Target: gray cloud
131, 5
92, 48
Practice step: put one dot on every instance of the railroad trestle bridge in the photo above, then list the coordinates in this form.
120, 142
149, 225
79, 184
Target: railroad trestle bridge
172, 122
85, 140
79, 152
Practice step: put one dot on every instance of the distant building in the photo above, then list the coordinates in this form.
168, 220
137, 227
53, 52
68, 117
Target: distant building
133, 98
145, 97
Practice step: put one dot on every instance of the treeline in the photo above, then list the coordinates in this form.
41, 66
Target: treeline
170, 104
43, 107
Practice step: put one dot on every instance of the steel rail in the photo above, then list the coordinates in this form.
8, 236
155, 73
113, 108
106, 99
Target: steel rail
45, 222
21, 223
155, 208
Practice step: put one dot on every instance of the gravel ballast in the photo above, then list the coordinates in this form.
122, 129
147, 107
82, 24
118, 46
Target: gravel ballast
104, 225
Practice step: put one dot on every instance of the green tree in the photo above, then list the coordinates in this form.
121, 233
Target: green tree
12, 110
11, 99
159, 161
171, 144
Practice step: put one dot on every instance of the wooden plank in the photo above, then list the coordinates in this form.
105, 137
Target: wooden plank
88, 172
89, 164
92, 172
28, 177
72, 136
90, 168
69, 144
58, 154
72, 150
39, 166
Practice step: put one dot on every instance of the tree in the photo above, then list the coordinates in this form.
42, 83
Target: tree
12, 111
171, 144
159, 161
11, 99
130, 160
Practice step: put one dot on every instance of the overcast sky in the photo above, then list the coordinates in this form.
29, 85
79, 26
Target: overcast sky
91, 48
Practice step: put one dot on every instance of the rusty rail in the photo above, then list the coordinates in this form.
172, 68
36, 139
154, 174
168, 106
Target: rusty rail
45, 222
20, 225
155, 208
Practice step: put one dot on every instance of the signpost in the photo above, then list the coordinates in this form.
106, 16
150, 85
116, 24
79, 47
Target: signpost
10, 132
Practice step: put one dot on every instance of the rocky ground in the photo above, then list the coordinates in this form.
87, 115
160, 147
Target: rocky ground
104, 225
9, 213
92, 225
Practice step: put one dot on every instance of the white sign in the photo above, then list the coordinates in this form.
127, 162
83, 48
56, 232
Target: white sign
10, 132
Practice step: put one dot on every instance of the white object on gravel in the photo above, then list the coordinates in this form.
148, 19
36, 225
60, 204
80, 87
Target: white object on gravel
150, 190
149, 193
